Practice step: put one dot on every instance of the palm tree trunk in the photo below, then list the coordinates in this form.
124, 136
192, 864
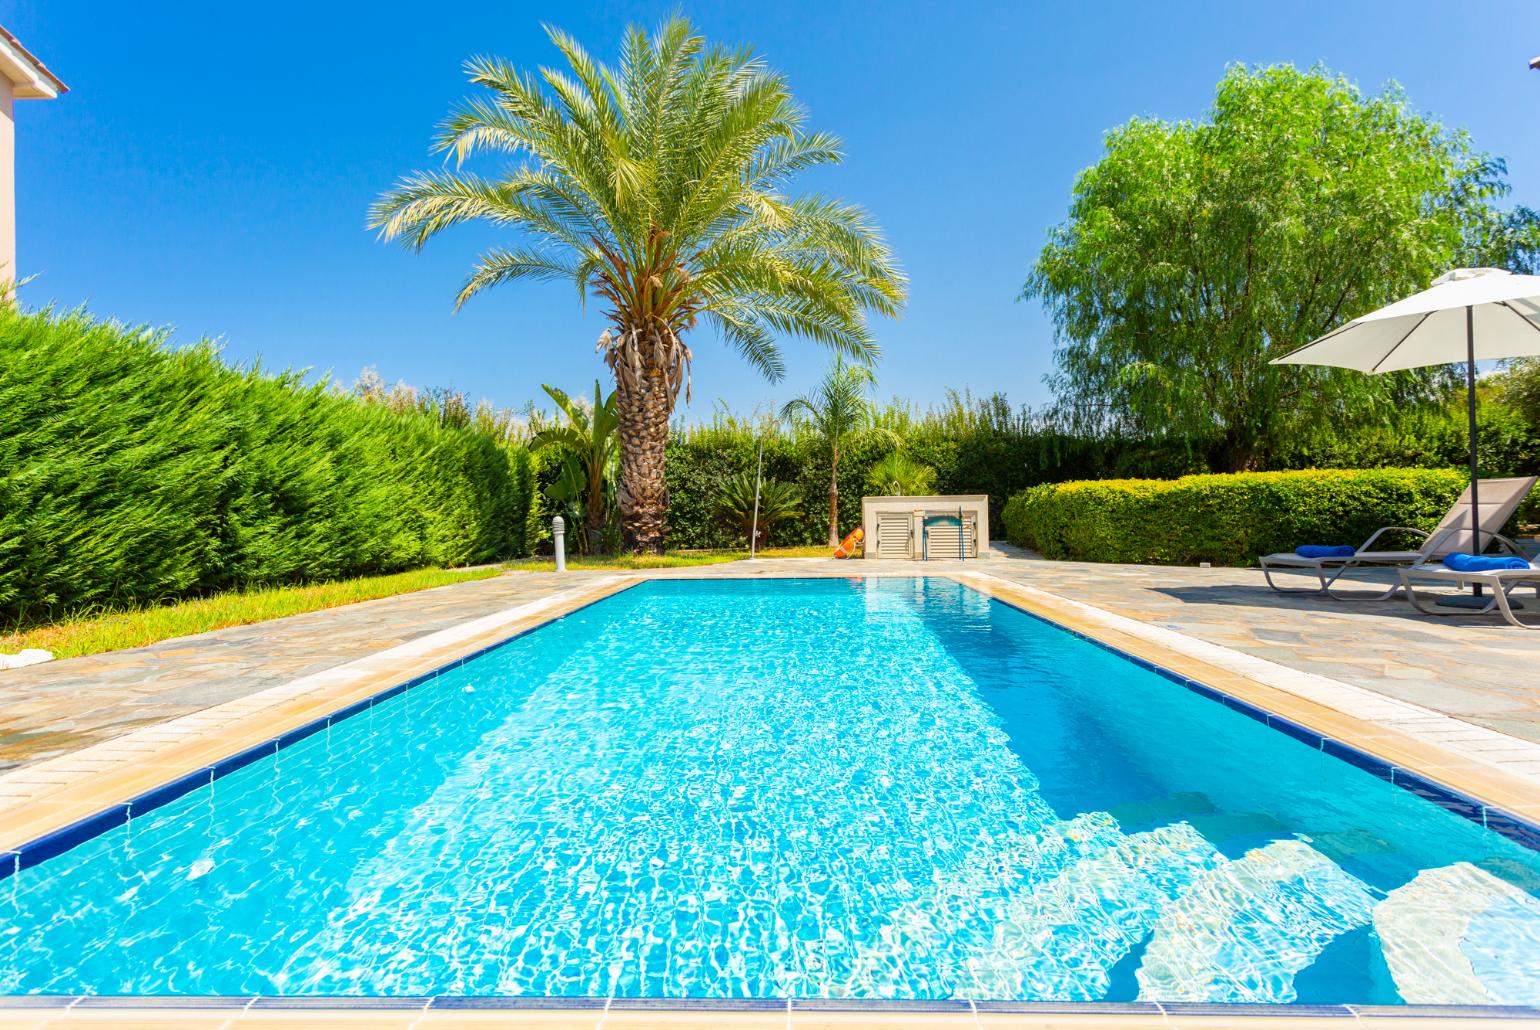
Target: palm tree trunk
595, 514
834, 497
642, 495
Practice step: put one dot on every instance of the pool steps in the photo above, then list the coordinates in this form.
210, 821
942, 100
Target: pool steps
1454, 935
1440, 931
1145, 872
1264, 916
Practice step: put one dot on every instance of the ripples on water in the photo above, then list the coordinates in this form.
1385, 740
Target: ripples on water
888, 789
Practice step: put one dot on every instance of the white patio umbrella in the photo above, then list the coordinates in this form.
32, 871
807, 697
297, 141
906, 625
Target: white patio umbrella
1469, 315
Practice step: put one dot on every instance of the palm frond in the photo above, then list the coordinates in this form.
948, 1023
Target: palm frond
496, 267
660, 186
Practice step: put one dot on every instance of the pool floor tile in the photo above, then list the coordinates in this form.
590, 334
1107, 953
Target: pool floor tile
138, 1021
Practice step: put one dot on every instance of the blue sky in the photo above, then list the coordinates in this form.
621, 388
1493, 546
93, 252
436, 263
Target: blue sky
211, 168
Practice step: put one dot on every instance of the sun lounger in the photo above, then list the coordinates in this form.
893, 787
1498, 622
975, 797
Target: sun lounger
1499, 499
1501, 583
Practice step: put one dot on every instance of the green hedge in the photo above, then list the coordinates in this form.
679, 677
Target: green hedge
985, 446
131, 472
1223, 519
974, 446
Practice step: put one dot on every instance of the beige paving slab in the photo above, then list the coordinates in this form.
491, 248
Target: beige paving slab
49, 710
882, 1021
130, 1023
555, 1019
619, 1019
1069, 1021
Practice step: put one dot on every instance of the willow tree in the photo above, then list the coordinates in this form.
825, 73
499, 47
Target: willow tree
1195, 252
658, 186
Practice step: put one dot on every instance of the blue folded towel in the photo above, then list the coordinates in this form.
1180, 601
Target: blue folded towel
1326, 551
1461, 562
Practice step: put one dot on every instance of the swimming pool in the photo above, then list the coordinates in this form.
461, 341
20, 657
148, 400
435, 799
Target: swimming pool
887, 788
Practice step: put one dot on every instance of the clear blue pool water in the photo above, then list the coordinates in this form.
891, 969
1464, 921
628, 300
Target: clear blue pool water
864, 789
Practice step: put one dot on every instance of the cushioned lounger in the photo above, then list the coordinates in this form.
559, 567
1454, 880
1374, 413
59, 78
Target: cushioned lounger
1499, 499
1501, 583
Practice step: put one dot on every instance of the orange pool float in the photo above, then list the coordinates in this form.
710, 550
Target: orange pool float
847, 547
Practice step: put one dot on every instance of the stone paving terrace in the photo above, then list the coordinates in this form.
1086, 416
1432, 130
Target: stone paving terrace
1473, 668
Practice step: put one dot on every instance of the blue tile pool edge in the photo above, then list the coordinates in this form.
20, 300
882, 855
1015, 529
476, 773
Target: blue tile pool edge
319, 1004
56, 842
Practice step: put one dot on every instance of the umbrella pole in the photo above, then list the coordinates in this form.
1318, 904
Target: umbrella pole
1470, 408
1470, 404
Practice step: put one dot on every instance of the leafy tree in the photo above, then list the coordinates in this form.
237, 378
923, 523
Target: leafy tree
589, 442
1195, 252
835, 413
778, 502
658, 186
1518, 386
898, 475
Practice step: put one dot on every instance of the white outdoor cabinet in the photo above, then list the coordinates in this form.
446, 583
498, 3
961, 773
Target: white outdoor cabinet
920, 528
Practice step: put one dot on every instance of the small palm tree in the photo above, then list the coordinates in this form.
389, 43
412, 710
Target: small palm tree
658, 186
897, 475
778, 502
836, 412
589, 437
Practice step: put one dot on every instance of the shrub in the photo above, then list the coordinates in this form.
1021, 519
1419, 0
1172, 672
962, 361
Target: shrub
746, 505
133, 473
1223, 519
898, 475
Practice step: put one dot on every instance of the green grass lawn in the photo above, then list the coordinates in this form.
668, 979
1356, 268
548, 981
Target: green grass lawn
672, 560
92, 633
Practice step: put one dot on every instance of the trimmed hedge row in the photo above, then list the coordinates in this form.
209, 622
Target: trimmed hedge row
1223, 519
982, 448
133, 473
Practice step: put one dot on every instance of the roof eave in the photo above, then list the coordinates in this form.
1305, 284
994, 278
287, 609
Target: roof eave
30, 78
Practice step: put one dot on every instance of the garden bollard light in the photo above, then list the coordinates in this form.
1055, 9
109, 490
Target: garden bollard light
559, 536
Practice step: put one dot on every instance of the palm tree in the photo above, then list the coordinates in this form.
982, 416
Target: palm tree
657, 186
836, 412
777, 502
898, 475
589, 437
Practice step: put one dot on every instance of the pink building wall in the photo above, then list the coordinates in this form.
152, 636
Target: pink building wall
8, 271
